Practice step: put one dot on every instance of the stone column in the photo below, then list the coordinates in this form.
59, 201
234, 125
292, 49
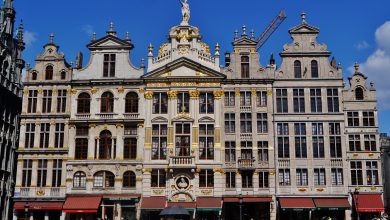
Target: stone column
66, 135
19, 172
194, 112
37, 134
272, 211
49, 173
91, 142
119, 141
217, 132
52, 135
34, 175
39, 100
54, 100
72, 143
148, 126
172, 111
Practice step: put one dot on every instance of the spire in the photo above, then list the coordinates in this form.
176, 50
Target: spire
94, 36
20, 32
252, 34
8, 4
244, 31
303, 16
356, 67
51, 38
111, 30
272, 59
235, 34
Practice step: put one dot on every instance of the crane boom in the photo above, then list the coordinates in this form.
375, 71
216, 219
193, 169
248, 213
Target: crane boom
275, 23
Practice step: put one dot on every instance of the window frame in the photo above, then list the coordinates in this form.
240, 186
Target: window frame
159, 138
109, 65
206, 152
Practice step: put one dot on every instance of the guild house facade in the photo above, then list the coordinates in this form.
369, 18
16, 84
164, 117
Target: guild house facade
224, 141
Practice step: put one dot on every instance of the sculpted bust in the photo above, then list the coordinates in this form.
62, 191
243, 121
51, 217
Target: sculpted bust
185, 11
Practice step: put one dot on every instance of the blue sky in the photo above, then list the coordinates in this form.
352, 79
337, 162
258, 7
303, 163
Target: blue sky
355, 31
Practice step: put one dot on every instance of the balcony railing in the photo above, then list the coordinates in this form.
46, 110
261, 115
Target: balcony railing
182, 161
25, 192
284, 163
83, 116
131, 115
336, 162
245, 109
246, 163
106, 115
42, 191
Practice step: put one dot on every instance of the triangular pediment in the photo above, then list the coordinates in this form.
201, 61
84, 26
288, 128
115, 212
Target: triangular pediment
304, 28
183, 117
159, 119
110, 42
206, 119
244, 41
184, 68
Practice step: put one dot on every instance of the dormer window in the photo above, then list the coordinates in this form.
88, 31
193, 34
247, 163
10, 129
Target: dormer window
34, 76
297, 69
109, 65
49, 73
314, 69
63, 75
359, 94
244, 67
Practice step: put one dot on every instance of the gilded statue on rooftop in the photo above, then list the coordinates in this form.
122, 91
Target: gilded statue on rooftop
185, 11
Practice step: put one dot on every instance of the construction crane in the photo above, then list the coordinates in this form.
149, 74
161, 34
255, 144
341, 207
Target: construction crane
275, 23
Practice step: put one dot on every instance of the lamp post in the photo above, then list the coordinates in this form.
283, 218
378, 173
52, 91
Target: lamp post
240, 204
356, 193
26, 207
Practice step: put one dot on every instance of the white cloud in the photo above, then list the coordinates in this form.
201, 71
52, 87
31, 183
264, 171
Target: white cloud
29, 38
377, 66
88, 29
362, 45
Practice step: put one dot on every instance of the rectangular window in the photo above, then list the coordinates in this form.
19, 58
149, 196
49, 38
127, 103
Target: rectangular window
130, 130
206, 103
368, 119
61, 100
30, 135
318, 140
159, 141
262, 147
354, 142
246, 150
32, 101
300, 140
46, 101
109, 65
333, 100
206, 142
59, 136
245, 98
27, 173
82, 131
302, 177
45, 135
160, 103
246, 123
281, 101
81, 149
130, 148
262, 123
261, 98
356, 173
230, 123
42, 173
183, 139
315, 100
183, 102
263, 179
158, 178
247, 179
370, 143
283, 140
335, 140
299, 100
319, 177
284, 177
230, 151
372, 173
337, 176
230, 179
57, 173
230, 98
206, 178
353, 119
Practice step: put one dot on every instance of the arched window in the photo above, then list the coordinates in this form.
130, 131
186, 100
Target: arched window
83, 103
79, 180
103, 179
34, 76
314, 69
105, 146
49, 73
107, 102
297, 69
131, 105
129, 180
359, 94
63, 75
244, 67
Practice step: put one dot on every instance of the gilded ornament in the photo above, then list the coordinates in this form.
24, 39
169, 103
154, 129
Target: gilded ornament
320, 190
139, 179
140, 125
172, 94
254, 92
141, 90
162, 49
194, 93
147, 170
105, 126
148, 95
121, 90
218, 94
302, 189
120, 125
92, 125
73, 91
40, 192
40, 91
55, 91
25, 91
206, 48
218, 170
237, 92
94, 90
269, 92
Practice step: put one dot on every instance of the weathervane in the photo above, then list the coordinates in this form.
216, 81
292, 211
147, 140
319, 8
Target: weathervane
185, 11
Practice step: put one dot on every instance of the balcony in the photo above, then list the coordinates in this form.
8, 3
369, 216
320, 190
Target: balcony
41, 192
82, 116
245, 136
182, 161
246, 164
106, 115
245, 108
284, 163
131, 115
336, 163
